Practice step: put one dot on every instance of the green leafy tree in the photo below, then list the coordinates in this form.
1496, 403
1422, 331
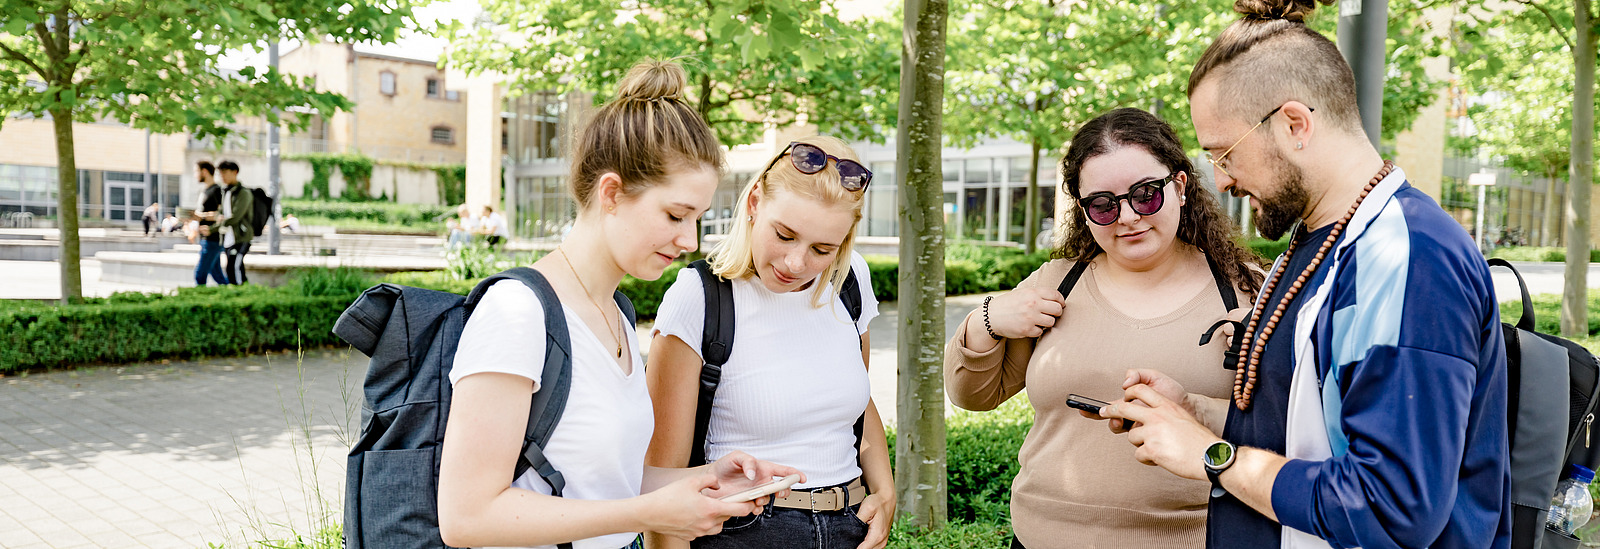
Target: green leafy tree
153, 64
1572, 24
753, 64
1525, 77
1037, 70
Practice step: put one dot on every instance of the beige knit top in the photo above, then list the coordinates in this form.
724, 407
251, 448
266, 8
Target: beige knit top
1079, 485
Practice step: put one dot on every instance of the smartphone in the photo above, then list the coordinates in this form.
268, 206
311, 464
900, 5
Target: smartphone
763, 490
1085, 403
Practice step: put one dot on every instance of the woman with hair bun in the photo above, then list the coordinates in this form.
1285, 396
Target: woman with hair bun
643, 169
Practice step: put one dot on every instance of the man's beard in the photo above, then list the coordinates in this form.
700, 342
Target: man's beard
1280, 211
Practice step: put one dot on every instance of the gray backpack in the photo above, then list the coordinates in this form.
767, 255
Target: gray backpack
392, 479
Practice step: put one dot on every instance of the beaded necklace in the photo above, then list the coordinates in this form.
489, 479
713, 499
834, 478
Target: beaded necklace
1244, 379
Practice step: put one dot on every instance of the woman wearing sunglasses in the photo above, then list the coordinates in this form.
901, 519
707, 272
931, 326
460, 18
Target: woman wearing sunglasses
794, 385
1153, 253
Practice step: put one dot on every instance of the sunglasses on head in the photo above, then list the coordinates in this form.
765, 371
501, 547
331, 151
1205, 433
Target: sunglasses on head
1145, 197
810, 159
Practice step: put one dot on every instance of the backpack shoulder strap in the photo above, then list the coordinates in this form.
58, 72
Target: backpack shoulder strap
1072, 278
1230, 298
1230, 301
555, 382
716, 344
850, 294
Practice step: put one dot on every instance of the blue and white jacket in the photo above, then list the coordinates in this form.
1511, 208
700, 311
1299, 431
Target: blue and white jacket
1397, 431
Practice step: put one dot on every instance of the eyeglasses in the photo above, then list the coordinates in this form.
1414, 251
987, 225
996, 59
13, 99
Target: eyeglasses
1220, 161
810, 159
1145, 197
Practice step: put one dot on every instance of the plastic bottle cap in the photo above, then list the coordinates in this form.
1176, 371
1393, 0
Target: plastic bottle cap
1582, 474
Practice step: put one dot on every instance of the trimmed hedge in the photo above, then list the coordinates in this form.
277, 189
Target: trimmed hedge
216, 321
207, 321
415, 216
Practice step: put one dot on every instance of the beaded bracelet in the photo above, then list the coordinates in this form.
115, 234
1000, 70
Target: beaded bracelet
986, 318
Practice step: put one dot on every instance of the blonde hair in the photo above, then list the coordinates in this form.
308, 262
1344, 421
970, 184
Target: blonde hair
734, 259
646, 130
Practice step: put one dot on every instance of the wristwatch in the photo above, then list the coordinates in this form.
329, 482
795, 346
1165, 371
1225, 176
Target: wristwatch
1218, 458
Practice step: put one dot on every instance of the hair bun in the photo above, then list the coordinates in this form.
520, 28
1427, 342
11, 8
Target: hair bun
653, 80
1290, 10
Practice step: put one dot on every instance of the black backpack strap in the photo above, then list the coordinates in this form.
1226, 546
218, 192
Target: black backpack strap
716, 343
850, 295
555, 382
1230, 301
1072, 278
1527, 320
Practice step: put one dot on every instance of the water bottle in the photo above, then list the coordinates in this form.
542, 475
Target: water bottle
1571, 506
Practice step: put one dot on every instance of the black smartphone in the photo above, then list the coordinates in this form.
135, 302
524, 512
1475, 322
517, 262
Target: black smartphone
1085, 403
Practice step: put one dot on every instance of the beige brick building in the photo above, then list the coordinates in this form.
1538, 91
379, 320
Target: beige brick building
112, 159
403, 112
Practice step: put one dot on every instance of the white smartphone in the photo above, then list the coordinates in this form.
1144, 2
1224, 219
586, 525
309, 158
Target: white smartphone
763, 490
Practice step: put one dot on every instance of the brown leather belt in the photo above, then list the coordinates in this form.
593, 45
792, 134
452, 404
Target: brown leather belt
824, 499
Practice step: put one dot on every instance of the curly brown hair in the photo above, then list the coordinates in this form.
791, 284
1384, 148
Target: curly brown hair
1201, 222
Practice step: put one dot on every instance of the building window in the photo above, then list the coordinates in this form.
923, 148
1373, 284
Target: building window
386, 83
452, 95
433, 87
444, 135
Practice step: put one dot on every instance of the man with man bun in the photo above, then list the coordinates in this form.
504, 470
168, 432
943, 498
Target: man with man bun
1369, 407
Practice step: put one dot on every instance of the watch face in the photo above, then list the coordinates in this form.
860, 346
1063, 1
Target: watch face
1219, 454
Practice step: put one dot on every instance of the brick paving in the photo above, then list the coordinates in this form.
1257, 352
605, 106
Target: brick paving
178, 454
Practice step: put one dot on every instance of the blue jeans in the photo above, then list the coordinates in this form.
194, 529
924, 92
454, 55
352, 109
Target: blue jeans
782, 527
210, 264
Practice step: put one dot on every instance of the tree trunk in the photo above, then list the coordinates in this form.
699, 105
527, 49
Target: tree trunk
1030, 233
1574, 310
67, 207
1552, 210
920, 438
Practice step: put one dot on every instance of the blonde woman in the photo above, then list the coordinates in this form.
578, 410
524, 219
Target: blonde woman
643, 169
794, 385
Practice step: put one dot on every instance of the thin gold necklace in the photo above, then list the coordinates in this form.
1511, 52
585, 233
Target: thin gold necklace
590, 298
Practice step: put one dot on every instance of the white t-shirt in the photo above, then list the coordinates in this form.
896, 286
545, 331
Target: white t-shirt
600, 442
794, 383
227, 212
496, 224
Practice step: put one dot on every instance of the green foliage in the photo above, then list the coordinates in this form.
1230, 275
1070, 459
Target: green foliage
414, 216
1547, 314
1268, 249
477, 260
964, 535
452, 183
191, 322
1514, 56
355, 168
155, 64
1537, 253
752, 64
981, 450
323, 282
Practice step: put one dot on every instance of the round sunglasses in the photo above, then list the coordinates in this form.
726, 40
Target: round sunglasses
1145, 197
810, 159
